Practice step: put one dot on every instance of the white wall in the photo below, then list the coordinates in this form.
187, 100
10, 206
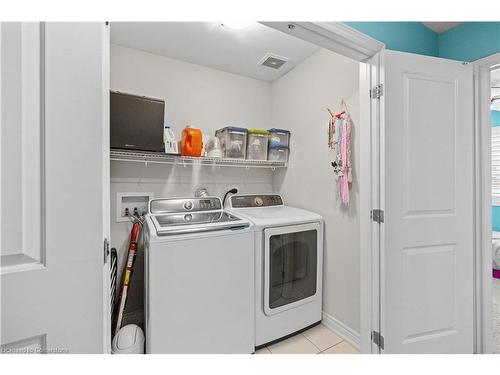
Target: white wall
300, 99
194, 95
203, 97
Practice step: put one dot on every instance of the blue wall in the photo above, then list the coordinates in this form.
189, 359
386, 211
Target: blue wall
495, 118
411, 37
495, 218
470, 41
467, 42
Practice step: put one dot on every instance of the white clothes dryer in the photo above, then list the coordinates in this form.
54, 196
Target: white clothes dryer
288, 265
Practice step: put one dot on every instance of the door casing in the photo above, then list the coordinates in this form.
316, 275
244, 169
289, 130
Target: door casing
482, 252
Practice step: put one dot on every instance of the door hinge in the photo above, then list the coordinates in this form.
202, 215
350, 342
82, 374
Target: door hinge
378, 215
377, 91
378, 339
106, 250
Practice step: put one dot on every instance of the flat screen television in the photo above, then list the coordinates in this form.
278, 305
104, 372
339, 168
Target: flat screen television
136, 122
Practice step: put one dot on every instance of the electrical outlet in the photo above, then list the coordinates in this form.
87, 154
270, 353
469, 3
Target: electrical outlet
129, 203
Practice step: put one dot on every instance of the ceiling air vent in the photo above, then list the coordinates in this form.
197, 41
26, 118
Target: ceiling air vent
273, 61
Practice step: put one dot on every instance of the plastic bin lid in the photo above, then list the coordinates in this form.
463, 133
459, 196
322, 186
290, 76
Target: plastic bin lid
258, 131
275, 130
277, 147
234, 129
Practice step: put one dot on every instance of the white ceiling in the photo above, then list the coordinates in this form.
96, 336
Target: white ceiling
441, 27
215, 46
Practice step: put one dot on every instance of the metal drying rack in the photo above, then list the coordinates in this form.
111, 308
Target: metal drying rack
161, 158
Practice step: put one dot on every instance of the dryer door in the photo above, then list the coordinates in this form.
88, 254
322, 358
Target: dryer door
292, 266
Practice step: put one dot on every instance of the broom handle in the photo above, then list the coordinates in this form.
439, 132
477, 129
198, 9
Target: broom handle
132, 249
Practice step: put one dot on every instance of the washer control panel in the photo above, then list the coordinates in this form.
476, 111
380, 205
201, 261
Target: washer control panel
175, 205
249, 201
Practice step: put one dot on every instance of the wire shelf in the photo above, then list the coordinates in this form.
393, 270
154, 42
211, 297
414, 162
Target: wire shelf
161, 158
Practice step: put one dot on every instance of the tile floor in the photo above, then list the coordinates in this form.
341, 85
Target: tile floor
318, 339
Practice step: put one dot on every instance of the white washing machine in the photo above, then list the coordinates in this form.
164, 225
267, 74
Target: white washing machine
199, 278
288, 265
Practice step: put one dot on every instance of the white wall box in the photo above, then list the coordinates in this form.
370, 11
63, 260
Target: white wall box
129, 202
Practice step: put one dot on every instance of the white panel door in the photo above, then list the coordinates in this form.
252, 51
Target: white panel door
427, 168
54, 182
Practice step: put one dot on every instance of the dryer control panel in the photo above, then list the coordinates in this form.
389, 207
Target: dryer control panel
257, 200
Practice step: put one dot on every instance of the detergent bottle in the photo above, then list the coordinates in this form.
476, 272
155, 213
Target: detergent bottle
191, 142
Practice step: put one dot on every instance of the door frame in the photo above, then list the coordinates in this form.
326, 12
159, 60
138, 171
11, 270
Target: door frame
349, 42
483, 319
106, 204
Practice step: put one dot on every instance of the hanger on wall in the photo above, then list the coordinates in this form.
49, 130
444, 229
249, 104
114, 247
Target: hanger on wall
344, 109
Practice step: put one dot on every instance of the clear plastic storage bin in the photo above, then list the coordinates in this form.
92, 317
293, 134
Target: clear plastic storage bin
278, 153
233, 142
257, 144
279, 138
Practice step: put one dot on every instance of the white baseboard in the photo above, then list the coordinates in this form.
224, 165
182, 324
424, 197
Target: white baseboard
342, 330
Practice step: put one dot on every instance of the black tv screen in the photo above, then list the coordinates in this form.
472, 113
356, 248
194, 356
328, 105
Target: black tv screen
136, 122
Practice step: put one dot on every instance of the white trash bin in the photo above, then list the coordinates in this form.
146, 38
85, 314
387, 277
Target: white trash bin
129, 340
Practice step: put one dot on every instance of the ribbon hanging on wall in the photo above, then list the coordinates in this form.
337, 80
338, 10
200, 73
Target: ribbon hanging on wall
339, 140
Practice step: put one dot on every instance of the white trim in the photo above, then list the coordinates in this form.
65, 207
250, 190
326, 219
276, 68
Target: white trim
334, 36
380, 172
23, 267
483, 342
1, 288
365, 203
106, 195
343, 331
488, 61
369, 177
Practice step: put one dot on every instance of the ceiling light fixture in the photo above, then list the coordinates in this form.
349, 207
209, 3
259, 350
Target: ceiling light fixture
236, 25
